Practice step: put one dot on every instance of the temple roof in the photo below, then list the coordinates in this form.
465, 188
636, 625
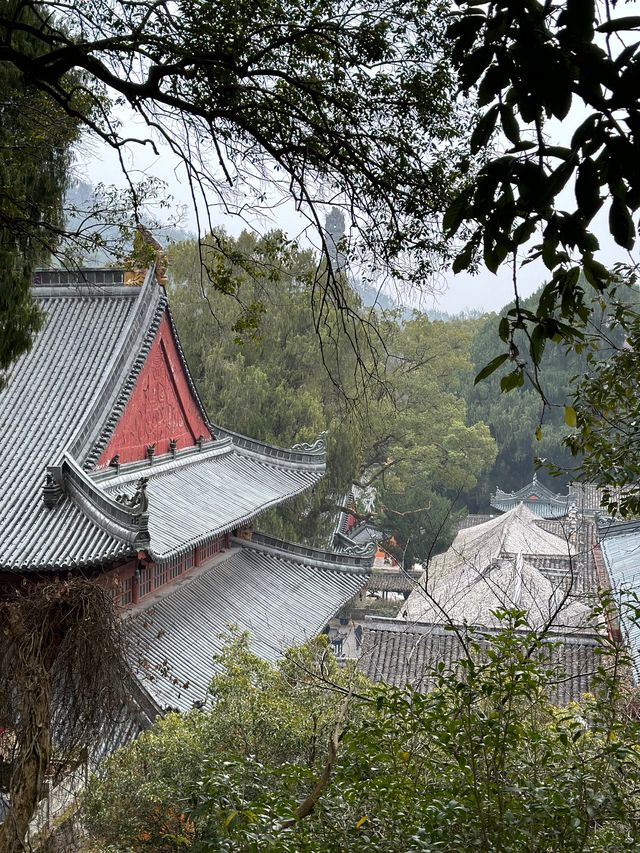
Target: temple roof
61, 405
283, 594
538, 498
621, 552
400, 654
486, 569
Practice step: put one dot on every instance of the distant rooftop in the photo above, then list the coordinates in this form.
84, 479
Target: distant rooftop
537, 497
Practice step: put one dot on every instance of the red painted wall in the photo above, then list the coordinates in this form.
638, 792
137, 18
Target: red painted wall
160, 408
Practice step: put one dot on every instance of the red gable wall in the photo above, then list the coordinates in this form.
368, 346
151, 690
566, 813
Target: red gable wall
160, 408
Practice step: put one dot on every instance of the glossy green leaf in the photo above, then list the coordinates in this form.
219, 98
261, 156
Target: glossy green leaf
493, 365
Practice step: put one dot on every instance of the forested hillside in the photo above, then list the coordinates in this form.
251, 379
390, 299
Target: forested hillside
525, 428
262, 368
429, 441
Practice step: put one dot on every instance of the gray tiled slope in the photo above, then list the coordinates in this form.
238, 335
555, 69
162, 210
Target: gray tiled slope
622, 558
279, 598
48, 393
407, 654
212, 492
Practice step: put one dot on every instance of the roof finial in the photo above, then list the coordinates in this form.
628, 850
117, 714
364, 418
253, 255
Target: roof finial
138, 500
51, 491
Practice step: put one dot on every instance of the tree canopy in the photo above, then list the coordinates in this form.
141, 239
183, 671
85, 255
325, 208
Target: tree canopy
322, 103
35, 143
527, 64
308, 756
408, 438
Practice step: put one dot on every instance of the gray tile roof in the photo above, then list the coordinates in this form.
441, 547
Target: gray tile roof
487, 568
538, 498
61, 404
281, 593
401, 653
621, 554
473, 519
210, 492
50, 393
398, 581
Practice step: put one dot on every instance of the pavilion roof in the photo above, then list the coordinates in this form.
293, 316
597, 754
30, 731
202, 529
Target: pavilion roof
61, 404
538, 498
283, 594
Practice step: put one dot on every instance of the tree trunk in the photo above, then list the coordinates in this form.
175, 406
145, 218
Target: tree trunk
30, 761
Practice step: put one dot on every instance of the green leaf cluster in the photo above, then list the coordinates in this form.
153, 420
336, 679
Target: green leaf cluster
527, 64
483, 761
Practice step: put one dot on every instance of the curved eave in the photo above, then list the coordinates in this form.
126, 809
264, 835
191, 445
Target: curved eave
542, 508
308, 456
356, 563
115, 519
202, 494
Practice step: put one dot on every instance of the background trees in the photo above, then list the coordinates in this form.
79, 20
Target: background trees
321, 103
260, 362
35, 156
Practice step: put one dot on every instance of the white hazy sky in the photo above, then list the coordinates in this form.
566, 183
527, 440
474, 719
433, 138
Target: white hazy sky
97, 163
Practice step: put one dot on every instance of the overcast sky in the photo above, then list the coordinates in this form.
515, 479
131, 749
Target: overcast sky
97, 163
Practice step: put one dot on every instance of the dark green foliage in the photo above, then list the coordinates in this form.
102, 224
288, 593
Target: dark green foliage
530, 423
35, 142
481, 763
262, 366
528, 63
606, 405
250, 340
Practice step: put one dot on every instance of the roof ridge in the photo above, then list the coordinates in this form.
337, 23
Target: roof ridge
301, 455
165, 463
192, 385
359, 560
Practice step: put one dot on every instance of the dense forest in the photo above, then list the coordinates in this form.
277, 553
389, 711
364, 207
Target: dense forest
431, 443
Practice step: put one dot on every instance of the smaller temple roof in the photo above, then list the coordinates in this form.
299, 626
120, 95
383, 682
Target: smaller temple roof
200, 494
537, 497
486, 569
283, 594
516, 531
403, 654
472, 597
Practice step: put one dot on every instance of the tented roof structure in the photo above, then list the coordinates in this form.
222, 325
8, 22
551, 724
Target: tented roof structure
486, 570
